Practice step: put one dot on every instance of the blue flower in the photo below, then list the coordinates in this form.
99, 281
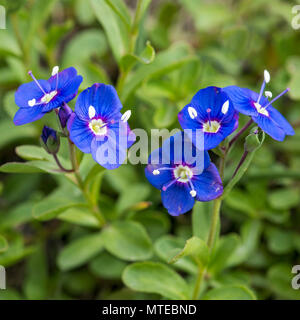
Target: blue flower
49, 140
260, 109
41, 96
212, 112
98, 127
176, 171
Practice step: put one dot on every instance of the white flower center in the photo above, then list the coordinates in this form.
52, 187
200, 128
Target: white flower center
211, 126
184, 173
261, 109
49, 96
98, 127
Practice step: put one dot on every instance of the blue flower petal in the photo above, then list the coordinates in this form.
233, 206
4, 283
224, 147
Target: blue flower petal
103, 98
269, 127
80, 133
110, 150
278, 118
158, 181
208, 185
211, 98
29, 91
242, 99
27, 115
177, 199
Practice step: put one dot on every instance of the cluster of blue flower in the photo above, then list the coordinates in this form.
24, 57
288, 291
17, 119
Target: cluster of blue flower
97, 119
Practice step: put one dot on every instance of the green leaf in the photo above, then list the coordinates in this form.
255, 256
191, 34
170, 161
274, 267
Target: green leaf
39, 13
80, 251
36, 279
146, 57
196, 248
92, 40
168, 246
284, 198
253, 142
133, 195
201, 218
155, 277
280, 280
230, 293
80, 216
15, 252
155, 223
128, 241
3, 244
250, 234
279, 241
107, 266
57, 202
120, 8
18, 215
19, 167
13, 133
222, 253
116, 32
165, 62
29, 152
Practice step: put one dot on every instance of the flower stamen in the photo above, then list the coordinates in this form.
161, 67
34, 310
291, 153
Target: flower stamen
35, 80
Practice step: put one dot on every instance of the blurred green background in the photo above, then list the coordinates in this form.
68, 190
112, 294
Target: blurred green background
54, 251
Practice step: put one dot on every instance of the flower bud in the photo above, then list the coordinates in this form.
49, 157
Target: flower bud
50, 140
64, 115
254, 140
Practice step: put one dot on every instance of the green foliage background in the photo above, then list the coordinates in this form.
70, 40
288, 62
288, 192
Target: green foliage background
50, 241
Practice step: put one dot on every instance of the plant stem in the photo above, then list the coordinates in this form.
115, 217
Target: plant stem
247, 125
244, 156
94, 207
212, 232
60, 165
132, 44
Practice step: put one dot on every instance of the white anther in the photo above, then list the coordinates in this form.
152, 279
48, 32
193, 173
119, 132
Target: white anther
267, 76
156, 172
225, 107
92, 112
32, 103
55, 70
192, 112
193, 193
125, 117
268, 94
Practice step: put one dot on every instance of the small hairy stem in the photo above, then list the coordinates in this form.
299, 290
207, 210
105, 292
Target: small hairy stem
244, 156
200, 276
61, 167
132, 44
93, 206
247, 125
212, 233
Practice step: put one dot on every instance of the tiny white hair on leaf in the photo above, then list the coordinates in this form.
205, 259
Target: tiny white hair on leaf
125, 117
225, 107
156, 172
92, 112
55, 70
193, 193
192, 112
268, 94
267, 76
32, 102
